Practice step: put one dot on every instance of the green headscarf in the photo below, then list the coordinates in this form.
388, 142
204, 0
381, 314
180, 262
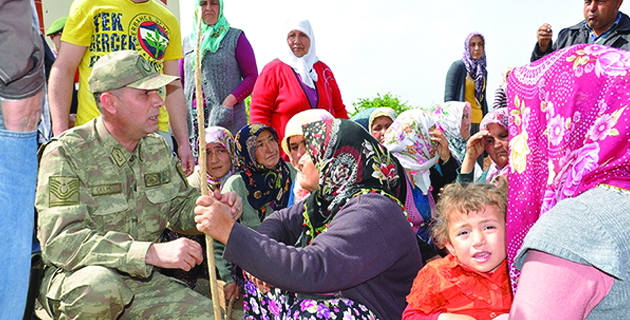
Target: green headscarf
211, 36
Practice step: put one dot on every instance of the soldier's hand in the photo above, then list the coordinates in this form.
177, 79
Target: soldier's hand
544, 35
182, 253
232, 200
186, 157
214, 218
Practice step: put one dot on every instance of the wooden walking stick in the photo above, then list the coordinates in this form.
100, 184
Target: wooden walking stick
214, 289
230, 308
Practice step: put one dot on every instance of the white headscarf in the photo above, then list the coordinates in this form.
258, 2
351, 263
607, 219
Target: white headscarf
304, 65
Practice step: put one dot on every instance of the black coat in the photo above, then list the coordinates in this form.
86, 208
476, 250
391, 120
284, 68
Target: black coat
455, 86
579, 33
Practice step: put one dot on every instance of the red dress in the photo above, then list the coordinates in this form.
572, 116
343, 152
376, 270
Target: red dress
278, 95
446, 286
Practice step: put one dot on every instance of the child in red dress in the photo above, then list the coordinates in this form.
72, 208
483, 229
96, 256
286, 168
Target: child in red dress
471, 282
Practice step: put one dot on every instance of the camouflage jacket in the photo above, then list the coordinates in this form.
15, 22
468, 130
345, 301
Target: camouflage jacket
100, 204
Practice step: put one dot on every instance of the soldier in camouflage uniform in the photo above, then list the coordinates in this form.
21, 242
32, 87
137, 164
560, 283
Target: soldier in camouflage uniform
106, 191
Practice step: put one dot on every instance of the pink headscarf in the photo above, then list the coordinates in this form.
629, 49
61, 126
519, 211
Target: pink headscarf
570, 131
500, 117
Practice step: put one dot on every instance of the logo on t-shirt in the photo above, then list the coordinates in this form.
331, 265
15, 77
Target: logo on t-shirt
151, 33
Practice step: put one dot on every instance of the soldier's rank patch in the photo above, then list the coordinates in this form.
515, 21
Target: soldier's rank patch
63, 191
119, 157
106, 189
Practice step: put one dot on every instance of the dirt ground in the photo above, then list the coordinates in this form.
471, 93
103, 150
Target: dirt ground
202, 287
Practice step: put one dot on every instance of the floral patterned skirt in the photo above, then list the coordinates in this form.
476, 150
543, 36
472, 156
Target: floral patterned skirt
282, 305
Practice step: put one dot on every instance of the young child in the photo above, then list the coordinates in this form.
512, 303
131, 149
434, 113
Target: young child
472, 282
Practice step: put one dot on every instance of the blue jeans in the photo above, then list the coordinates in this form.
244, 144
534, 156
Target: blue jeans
18, 174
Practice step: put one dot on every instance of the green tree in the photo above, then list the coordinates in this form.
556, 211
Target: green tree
387, 100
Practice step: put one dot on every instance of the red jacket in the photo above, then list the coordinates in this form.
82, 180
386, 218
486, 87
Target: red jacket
278, 95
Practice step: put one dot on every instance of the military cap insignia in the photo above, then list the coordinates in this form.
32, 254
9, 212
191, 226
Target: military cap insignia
63, 191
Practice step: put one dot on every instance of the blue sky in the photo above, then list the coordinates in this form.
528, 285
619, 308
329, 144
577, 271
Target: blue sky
400, 46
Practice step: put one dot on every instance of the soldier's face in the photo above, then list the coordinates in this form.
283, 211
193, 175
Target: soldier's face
138, 111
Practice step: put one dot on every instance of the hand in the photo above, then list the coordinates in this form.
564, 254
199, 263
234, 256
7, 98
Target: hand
214, 218
474, 148
181, 253
544, 36
230, 290
438, 137
232, 200
264, 287
229, 101
186, 157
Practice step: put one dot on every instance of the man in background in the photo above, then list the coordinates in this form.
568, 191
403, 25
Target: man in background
603, 24
97, 27
21, 97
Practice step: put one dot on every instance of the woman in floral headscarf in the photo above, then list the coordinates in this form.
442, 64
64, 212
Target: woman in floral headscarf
228, 70
220, 165
466, 79
348, 250
263, 182
494, 139
570, 179
423, 150
293, 145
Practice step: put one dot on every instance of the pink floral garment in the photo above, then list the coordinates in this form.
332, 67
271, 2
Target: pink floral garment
569, 132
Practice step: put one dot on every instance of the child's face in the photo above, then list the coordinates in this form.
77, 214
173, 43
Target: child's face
478, 239
218, 160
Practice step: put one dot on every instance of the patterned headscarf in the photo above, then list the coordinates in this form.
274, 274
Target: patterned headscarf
409, 140
449, 116
211, 36
223, 137
303, 65
294, 125
498, 116
381, 112
570, 132
350, 162
264, 186
475, 67
294, 128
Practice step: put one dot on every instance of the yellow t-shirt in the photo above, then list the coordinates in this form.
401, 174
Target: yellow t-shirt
106, 26
469, 93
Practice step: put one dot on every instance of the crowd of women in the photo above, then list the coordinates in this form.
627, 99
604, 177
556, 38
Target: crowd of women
340, 216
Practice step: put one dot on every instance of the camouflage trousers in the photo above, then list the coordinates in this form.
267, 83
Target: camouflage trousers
96, 292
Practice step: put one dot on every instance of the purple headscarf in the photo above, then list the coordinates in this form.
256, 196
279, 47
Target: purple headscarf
475, 67
569, 132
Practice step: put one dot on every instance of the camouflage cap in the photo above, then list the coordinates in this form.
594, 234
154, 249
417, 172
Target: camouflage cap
126, 68
56, 26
